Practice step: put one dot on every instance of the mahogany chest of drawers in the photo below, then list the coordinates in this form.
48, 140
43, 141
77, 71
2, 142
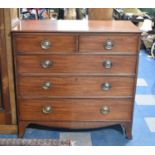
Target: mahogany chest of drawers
75, 74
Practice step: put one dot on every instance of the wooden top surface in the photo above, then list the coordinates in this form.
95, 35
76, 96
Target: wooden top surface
75, 26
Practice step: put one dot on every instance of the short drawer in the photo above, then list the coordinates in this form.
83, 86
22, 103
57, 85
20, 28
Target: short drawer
90, 64
74, 86
76, 109
109, 43
45, 43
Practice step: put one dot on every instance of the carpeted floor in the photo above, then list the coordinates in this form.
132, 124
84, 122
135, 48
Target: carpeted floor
33, 142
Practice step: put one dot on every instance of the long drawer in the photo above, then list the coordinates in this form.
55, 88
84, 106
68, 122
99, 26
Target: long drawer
75, 86
109, 43
86, 64
75, 109
45, 43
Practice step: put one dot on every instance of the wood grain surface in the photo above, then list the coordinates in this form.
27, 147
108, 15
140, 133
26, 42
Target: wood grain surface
75, 109
75, 64
70, 86
93, 26
32, 43
121, 43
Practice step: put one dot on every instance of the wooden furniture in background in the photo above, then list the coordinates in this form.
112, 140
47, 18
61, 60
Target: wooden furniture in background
75, 74
7, 97
100, 13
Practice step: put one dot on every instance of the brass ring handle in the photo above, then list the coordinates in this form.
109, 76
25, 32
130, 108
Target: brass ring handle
46, 64
47, 85
47, 109
105, 110
106, 86
108, 44
45, 44
107, 64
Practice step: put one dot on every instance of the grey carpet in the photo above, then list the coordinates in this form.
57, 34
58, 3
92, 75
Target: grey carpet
33, 142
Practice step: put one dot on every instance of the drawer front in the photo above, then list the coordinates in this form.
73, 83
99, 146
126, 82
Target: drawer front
90, 64
64, 86
75, 109
109, 43
45, 43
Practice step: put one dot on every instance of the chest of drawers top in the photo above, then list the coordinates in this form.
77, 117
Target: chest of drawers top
75, 26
